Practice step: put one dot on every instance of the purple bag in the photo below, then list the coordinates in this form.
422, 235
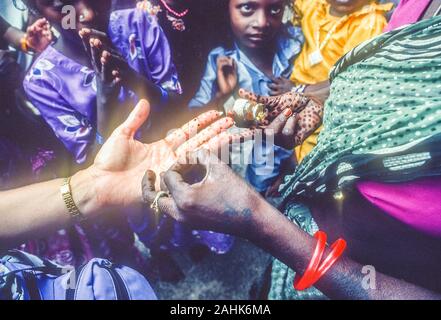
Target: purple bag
27, 277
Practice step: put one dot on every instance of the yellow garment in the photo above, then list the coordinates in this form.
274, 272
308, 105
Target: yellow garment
351, 30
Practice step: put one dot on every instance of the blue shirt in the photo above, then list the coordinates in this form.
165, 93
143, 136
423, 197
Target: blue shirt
262, 172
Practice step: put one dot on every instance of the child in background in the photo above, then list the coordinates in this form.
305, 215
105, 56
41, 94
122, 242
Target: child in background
331, 29
66, 84
263, 48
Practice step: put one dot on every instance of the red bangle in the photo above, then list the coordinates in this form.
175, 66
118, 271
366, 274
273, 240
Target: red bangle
315, 270
337, 248
304, 282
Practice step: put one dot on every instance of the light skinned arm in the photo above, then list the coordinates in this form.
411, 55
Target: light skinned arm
112, 182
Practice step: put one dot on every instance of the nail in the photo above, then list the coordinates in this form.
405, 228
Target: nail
288, 112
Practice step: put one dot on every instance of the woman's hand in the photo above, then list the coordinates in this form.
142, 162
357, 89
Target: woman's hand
39, 35
227, 78
294, 116
221, 202
280, 86
122, 161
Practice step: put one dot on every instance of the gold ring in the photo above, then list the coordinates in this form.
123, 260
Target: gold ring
155, 203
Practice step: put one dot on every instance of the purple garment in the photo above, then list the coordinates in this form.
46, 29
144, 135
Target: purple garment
407, 12
64, 91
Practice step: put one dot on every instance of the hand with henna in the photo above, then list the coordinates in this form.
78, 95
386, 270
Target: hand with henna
308, 114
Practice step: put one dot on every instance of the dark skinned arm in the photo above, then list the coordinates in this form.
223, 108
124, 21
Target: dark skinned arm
223, 202
276, 234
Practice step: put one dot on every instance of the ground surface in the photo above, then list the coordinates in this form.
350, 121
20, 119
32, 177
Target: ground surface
227, 277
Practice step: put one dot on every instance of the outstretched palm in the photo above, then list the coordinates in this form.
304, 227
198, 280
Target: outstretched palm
123, 161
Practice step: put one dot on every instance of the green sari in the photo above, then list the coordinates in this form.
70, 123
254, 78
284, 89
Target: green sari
385, 104
382, 122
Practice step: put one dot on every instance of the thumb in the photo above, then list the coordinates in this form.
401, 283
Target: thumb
174, 181
136, 119
148, 187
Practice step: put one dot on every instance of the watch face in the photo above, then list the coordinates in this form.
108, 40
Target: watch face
65, 188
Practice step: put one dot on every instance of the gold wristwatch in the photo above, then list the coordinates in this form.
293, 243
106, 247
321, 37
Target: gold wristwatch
72, 208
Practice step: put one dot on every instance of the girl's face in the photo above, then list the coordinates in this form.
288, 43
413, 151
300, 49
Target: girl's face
256, 23
344, 7
88, 13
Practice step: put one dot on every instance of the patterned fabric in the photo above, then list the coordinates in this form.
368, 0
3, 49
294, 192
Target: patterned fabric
382, 120
54, 81
382, 123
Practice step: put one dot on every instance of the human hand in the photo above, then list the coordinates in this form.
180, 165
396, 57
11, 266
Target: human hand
87, 34
221, 202
280, 86
108, 80
39, 35
307, 114
227, 78
122, 161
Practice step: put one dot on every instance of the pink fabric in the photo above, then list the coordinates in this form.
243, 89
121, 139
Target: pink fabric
407, 12
417, 203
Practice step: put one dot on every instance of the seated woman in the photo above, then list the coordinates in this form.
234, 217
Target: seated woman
373, 179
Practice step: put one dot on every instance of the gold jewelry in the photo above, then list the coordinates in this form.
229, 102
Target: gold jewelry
24, 44
155, 203
66, 193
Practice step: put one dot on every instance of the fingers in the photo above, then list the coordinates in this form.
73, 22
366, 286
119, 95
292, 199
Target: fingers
174, 181
223, 61
136, 119
288, 132
107, 70
221, 142
190, 129
244, 94
96, 51
148, 187
85, 38
276, 127
205, 136
275, 89
166, 205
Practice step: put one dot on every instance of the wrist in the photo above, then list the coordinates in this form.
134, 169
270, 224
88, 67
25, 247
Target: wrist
24, 44
85, 193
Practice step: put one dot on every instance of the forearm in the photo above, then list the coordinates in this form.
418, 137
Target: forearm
284, 240
36, 210
13, 36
